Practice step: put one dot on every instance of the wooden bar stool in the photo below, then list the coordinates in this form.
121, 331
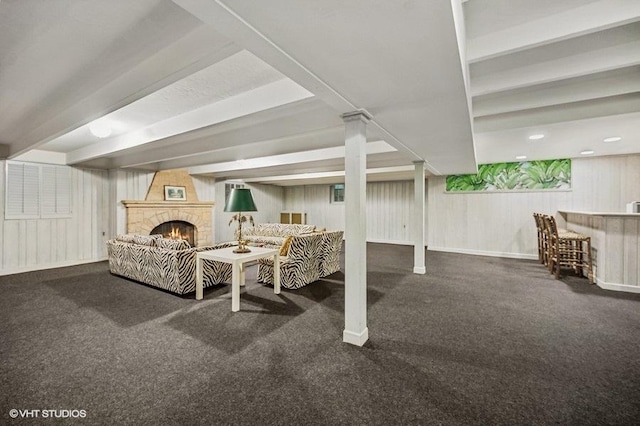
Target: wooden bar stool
567, 249
543, 241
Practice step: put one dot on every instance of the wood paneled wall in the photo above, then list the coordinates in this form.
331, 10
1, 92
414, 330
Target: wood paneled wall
127, 185
389, 206
501, 224
484, 223
268, 199
45, 243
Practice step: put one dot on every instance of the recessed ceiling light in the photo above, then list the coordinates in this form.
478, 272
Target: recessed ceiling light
536, 137
100, 128
613, 139
587, 152
521, 157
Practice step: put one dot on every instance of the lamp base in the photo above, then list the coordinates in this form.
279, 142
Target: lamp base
242, 250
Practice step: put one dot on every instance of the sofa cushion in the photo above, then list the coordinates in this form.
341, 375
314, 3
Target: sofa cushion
279, 229
168, 243
284, 249
145, 240
125, 238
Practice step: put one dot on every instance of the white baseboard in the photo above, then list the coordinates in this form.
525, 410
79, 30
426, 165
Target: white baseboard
618, 287
419, 269
41, 267
396, 242
357, 339
485, 253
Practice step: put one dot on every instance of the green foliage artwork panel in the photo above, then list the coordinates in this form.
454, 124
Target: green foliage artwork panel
529, 175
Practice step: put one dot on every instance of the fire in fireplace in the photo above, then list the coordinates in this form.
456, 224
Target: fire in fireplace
177, 230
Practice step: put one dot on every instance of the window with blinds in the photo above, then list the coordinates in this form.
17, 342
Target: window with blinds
37, 191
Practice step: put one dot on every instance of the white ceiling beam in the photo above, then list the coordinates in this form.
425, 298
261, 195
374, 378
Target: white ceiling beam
582, 20
321, 175
228, 22
610, 58
322, 139
601, 107
376, 147
268, 96
197, 50
295, 124
608, 84
41, 156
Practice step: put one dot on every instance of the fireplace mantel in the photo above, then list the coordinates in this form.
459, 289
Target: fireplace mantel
141, 204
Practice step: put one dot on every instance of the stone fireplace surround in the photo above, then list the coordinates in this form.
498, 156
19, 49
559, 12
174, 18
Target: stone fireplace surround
144, 215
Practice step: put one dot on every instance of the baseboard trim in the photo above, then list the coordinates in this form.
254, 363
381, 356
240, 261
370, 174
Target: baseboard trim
396, 242
485, 253
357, 339
617, 287
31, 268
419, 269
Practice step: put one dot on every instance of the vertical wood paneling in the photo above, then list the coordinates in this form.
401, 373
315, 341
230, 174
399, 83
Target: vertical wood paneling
631, 238
389, 206
129, 186
614, 245
269, 200
42, 243
502, 223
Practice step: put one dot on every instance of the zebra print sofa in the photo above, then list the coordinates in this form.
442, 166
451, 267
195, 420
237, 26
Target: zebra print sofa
164, 263
272, 235
309, 258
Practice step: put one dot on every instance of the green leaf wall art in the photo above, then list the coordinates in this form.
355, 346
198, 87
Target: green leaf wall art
528, 175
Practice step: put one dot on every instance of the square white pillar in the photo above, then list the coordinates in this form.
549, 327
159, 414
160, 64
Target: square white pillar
418, 219
355, 281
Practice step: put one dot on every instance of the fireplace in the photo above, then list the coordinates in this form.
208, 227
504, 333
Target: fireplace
177, 230
142, 216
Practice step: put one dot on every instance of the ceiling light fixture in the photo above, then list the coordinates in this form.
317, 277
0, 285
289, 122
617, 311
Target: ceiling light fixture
612, 139
587, 152
536, 137
521, 157
100, 128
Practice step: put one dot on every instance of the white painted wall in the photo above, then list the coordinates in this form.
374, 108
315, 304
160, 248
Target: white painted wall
389, 206
268, 200
483, 223
501, 224
126, 185
46, 243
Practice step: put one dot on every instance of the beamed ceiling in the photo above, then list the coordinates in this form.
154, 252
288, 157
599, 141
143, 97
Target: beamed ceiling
254, 90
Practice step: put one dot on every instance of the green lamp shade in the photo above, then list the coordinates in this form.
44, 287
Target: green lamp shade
240, 200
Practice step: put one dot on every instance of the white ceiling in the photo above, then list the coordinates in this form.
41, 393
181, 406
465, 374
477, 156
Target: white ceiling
255, 90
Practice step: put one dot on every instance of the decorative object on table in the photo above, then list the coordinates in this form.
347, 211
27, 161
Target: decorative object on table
175, 193
240, 200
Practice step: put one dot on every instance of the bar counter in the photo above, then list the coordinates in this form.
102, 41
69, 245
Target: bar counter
615, 245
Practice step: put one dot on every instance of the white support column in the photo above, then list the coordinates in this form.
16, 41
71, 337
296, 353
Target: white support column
418, 219
355, 281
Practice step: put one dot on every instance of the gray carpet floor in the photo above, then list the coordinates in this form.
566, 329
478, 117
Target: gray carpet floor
475, 341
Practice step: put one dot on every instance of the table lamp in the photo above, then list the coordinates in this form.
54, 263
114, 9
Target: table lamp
240, 200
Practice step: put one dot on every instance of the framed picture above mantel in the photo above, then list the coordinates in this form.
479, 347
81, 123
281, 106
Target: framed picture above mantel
175, 193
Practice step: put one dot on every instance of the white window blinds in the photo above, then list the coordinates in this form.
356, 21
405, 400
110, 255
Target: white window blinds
23, 191
34, 191
56, 186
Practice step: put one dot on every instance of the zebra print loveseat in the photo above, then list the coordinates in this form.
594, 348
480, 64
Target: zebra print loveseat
309, 257
164, 263
272, 235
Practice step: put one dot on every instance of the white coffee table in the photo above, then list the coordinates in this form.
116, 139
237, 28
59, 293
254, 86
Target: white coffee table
237, 260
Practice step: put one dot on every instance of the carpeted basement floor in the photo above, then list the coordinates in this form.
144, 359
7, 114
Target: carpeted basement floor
475, 341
